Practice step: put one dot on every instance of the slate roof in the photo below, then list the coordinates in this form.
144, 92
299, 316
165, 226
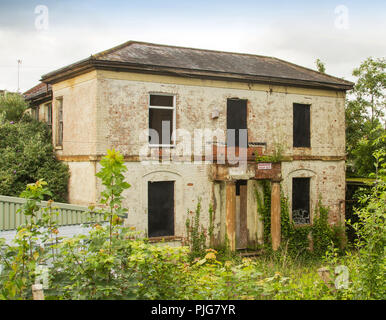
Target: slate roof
184, 61
41, 90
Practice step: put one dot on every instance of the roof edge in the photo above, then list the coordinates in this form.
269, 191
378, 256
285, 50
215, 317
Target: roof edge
92, 64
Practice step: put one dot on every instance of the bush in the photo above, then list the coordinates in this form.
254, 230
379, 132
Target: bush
27, 155
12, 106
371, 230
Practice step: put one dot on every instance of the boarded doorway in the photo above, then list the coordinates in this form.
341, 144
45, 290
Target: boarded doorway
241, 214
160, 208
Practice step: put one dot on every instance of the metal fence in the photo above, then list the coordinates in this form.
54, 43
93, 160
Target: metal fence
69, 214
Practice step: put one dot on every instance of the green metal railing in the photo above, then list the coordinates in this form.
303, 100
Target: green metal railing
69, 214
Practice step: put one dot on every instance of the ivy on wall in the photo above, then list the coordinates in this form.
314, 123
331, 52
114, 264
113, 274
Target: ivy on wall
312, 239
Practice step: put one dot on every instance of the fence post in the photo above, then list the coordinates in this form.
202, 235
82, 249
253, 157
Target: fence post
324, 273
37, 291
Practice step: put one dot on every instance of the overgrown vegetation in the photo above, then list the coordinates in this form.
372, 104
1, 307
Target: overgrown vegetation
113, 262
276, 156
365, 111
27, 155
371, 231
22, 260
12, 106
305, 241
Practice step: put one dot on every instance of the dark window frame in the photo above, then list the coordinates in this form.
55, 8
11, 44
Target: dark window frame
59, 122
163, 107
301, 125
49, 114
36, 113
236, 120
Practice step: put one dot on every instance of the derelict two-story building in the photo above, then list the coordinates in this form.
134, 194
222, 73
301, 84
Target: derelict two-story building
190, 124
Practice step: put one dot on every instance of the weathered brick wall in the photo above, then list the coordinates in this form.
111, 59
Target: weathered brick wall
191, 183
79, 115
327, 183
108, 110
123, 107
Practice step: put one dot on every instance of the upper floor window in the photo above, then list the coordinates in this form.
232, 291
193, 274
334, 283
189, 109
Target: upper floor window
237, 132
301, 125
59, 122
161, 120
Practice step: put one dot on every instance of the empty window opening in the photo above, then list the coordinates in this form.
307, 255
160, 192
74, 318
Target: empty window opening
301, 200
301, 125
161, 119
237, 123
49, 114
59, 128
160, 208
35, 113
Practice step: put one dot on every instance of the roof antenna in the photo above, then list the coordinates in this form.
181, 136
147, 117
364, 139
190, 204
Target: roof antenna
18, 75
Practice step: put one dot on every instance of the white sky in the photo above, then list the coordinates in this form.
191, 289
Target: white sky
299, 33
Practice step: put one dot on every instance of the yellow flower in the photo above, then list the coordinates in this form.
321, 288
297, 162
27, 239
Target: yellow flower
210, 256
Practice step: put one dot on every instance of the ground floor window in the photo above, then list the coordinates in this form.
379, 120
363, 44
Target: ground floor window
160, 208
301, 200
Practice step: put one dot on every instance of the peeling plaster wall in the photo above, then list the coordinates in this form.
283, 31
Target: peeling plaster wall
191, 183
327, 182
123, 106
82, 183
105, 110
79, 114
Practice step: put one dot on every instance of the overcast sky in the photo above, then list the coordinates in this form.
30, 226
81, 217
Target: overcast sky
47, 35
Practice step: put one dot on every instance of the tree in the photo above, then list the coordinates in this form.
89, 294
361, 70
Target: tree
27, 155
320, 66
370, 86
364, 112
12, 105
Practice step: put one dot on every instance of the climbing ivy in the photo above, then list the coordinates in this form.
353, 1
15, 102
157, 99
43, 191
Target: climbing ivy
297, 239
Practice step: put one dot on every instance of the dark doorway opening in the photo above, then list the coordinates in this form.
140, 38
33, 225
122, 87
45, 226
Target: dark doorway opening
241, 214
160, 208
301, 200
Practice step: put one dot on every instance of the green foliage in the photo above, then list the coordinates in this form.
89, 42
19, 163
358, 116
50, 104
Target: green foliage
112, 178
12, 105
320, 66
277, 154
196, 233
101, 260
363, 162
296, 240
161, 271
27, 155
113, 262
31, 244
264, 209
371, 231
364, 112
370, 85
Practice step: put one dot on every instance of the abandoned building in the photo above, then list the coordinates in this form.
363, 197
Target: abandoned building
291, 117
